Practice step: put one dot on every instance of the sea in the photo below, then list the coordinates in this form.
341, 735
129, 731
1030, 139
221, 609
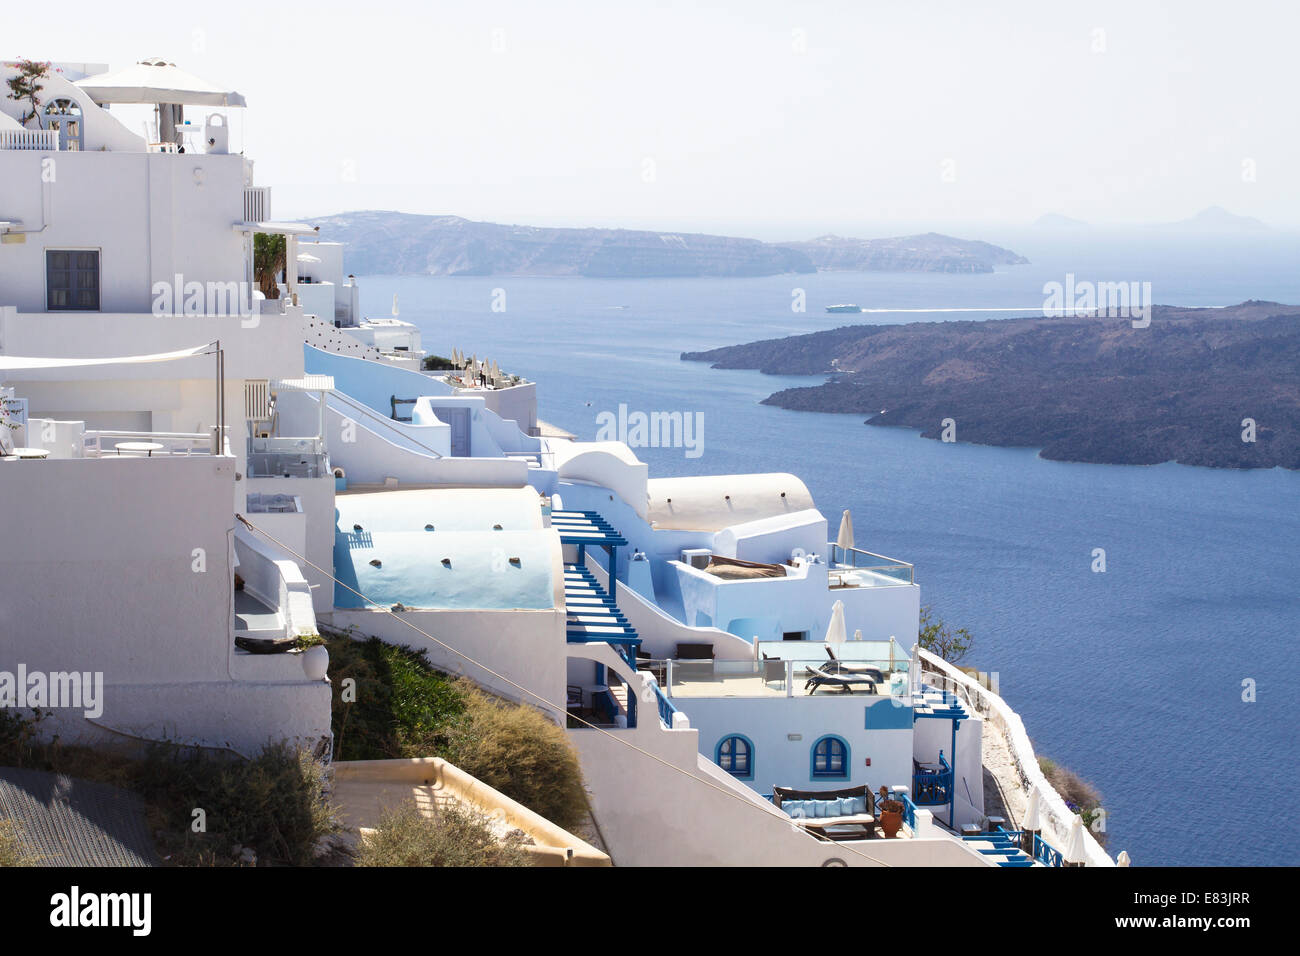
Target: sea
1168, 680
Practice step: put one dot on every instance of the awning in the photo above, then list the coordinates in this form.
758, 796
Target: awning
17, 362
308, 383
155, 81
280, 228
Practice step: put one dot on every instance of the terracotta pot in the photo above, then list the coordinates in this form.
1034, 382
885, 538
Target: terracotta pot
891, 818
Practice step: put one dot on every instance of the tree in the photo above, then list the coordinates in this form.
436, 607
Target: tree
935, 637
26, 84
268, 262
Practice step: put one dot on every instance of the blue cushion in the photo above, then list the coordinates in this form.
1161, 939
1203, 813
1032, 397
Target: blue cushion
795, 808
860, 804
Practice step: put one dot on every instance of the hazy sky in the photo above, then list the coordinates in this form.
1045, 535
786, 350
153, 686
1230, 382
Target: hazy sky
782, 120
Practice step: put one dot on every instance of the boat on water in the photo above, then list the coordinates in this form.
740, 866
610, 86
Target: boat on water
843, 308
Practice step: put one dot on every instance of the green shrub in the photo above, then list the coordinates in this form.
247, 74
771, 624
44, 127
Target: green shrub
516, 750
402, 706
437, 363
456, 836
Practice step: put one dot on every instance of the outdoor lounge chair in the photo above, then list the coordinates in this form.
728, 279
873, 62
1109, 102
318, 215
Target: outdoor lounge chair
819, 809
849, 667
826, 676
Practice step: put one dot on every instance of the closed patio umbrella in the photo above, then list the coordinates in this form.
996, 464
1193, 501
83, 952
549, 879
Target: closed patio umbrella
1032, 821
1076, 853
845, 538
836, 633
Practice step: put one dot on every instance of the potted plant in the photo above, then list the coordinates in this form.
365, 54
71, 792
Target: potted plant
891, 817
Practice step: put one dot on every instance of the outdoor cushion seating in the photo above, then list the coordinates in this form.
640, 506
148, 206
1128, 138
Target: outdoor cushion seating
851, 806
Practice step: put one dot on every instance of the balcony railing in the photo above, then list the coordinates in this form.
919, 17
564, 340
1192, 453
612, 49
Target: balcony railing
287, 458
775, 678
110, 444
933, 788
38, 139
859, 560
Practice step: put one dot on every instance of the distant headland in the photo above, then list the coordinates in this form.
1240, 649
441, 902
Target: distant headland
393, 243
1212, 387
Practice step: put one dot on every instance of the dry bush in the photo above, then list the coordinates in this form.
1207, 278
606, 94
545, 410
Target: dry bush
455, 836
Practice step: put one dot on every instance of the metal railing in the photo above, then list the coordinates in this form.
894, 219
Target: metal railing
909, 810
859, 560
773, 678
666, 708
933, 788
106, 443
38, 139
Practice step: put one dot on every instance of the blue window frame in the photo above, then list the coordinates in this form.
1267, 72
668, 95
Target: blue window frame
830, 758
736, 756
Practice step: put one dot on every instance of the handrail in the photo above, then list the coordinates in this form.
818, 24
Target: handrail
666, 706
386, 422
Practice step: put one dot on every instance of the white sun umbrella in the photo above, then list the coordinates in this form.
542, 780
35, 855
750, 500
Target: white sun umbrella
1032, 819
836, 633
857, 634
1075, 852
1123, 859
156, 81
845, 539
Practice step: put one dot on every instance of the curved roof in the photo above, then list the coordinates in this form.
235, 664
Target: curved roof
441, 548
714, 502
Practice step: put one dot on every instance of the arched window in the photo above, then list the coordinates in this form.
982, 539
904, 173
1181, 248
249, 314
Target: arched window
736, 756
64, 115
830, 758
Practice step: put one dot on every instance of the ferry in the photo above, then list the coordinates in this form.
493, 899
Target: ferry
843, 308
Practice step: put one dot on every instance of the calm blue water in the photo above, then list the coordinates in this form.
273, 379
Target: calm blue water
1132, 677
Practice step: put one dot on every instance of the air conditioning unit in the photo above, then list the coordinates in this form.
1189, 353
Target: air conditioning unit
697, 557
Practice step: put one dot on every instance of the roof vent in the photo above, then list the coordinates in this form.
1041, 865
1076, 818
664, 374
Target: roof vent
375, 562
356, 527
515, 562
446, 562
428, 527
496, 527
